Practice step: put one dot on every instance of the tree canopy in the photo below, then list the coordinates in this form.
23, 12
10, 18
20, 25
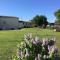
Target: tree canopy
57, 14
40, 20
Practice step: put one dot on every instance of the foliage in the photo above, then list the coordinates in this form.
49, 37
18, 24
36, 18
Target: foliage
39, 21
57, 14
32, 48
10, 38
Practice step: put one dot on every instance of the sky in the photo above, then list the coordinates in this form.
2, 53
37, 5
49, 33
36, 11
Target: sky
27, 9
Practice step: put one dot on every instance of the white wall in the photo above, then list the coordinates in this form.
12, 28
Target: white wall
20, 24
9, 22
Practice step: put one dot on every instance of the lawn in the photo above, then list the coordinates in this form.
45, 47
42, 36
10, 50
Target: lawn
10, 38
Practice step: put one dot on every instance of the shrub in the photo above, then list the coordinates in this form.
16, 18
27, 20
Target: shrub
32, 48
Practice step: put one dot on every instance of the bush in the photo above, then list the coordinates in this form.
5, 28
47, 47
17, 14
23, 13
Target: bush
32, 48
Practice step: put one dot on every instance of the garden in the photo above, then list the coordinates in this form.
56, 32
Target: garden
10, 41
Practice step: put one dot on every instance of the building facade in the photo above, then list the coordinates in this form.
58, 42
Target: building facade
27, 25
57, 27
8, 22
20, 24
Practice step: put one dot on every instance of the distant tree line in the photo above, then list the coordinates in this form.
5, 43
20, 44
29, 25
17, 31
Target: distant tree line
41, 20
57, 14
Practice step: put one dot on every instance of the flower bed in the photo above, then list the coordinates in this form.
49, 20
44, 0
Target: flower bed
33, 48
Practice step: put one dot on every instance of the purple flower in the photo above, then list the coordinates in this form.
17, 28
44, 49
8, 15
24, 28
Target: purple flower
55, 50
33, 41
51, 42
26, 39
45, 41
36, 41
44, 56
40, 48
28, 36
20, 53
27, 53
36, 58
39, 57
50, 48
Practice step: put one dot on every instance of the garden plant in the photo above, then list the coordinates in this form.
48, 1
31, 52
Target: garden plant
34, 48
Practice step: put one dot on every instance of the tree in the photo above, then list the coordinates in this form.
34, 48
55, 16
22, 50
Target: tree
57, 14
40, 21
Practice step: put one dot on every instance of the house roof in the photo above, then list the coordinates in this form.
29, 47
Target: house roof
51, 23
8, 17
21, 21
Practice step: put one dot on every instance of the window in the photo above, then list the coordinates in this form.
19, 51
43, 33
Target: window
4, 22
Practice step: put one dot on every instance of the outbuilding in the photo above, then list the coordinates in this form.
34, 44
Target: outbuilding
57, 27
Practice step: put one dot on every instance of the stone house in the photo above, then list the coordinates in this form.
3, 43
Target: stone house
20, 24
8, 22
27, 24
57, 27
23, 24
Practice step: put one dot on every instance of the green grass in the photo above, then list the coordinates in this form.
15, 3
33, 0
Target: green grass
10, 38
